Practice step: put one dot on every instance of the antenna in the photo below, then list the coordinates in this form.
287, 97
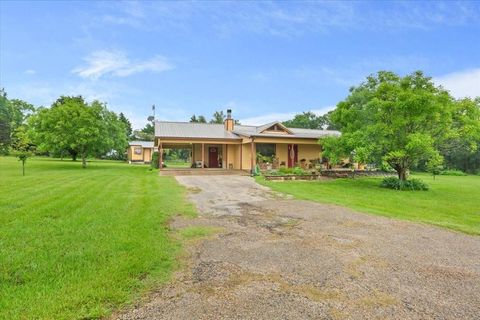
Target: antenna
153, 109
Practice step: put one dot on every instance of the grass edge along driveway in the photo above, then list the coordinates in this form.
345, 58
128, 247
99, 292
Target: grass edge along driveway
452, 202
79, 243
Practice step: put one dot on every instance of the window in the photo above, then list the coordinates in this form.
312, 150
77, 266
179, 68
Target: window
137, 150
266, 149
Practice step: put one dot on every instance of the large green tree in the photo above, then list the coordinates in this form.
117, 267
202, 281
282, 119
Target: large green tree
392, 119
82, 129
13, 114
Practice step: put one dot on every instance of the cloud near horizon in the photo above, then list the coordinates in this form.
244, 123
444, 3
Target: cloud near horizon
461, 84
116, 63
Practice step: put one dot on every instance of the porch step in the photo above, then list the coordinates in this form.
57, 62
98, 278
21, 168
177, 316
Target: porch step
202, 172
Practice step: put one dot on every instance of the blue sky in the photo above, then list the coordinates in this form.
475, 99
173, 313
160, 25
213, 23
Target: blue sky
265, 60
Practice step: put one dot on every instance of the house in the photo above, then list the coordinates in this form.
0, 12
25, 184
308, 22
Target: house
140, 151
232, 146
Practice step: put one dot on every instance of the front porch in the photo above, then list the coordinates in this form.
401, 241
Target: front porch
203, 155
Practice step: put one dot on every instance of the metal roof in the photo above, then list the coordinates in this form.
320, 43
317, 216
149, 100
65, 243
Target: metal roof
166, 129
144, 144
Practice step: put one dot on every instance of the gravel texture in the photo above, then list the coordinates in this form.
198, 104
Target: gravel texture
279, 258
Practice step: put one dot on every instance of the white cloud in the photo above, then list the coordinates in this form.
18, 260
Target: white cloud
116, 63
30, 71
461, 84
280, 116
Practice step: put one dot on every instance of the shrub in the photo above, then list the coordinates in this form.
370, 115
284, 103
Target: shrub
397, 184
155, 160
452, 173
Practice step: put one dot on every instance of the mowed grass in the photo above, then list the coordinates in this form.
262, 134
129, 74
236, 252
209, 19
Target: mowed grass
452, 202
78, 243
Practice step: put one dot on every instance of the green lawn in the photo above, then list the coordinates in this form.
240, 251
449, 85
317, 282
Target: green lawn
452, 202
77, 243
177, 164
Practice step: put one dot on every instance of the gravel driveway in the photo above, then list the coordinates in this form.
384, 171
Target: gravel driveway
279, 258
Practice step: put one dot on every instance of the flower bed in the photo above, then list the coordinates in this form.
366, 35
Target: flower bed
287, 177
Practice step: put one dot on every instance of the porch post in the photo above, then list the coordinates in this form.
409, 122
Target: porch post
203, 155
225, 163
160, 156
252, 156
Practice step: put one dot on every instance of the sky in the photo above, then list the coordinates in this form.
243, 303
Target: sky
264, 60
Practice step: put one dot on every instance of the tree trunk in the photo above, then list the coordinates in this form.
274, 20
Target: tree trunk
74, 154
402, 173
84, 161
23, 167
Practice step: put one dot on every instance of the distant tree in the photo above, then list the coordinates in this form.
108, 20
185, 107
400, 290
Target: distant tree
307, 120
392, 119
461, 147
12, 115
435, 165
199, 119
127, 124
81, 129
23, 145
218, 117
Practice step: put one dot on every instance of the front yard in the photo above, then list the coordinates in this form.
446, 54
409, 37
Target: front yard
76, 243
452, 202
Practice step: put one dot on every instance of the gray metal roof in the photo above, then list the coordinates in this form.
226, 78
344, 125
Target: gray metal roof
144, 144
165, 129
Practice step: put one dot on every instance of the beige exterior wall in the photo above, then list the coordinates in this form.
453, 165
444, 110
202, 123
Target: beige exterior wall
133, 156
145, 155
281, 152
308, 151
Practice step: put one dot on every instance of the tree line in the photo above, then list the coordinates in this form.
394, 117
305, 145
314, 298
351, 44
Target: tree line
70, 127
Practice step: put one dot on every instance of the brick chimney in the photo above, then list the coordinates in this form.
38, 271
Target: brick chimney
229, 122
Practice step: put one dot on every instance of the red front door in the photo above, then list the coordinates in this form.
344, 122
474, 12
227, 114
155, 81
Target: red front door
213, 157
292, 155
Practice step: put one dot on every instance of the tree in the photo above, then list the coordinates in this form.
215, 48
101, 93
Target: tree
126, 123
307, 120
23, 145
392, 119
461, 147
199, 119
218, 117
435, 165
80, 128
13, 114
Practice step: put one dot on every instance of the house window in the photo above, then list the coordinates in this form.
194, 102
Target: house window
137, 150
266, 149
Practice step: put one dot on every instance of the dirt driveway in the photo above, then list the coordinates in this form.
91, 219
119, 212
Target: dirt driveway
279, 258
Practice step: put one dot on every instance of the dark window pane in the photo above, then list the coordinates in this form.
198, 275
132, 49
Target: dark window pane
266, 149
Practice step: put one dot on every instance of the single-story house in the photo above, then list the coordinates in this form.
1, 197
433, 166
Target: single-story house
234, 146
140, 151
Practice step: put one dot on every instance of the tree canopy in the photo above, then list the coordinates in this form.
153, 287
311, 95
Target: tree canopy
13, 114
393, 120
79, 128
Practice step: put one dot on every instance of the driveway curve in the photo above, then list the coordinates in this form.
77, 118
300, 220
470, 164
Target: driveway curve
279, 258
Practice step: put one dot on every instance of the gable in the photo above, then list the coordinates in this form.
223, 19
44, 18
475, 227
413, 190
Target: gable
275, 128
